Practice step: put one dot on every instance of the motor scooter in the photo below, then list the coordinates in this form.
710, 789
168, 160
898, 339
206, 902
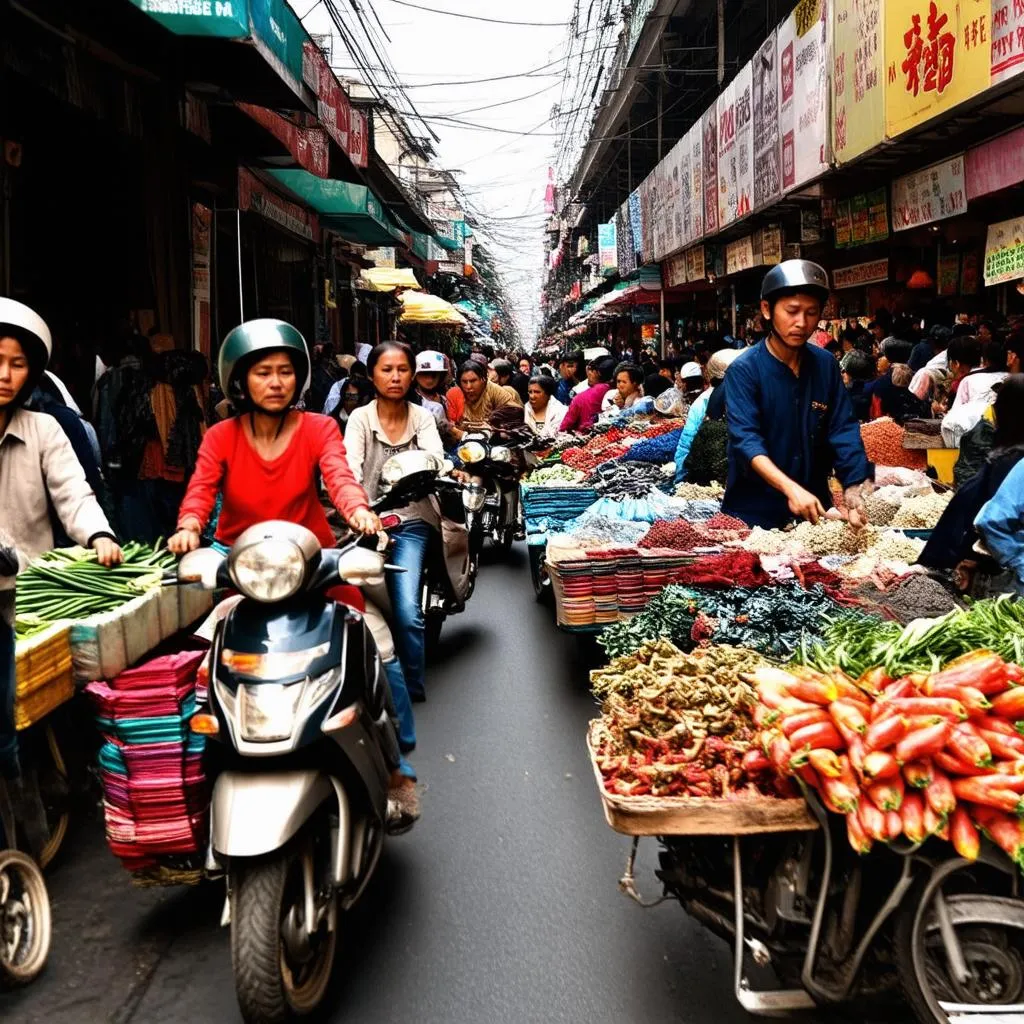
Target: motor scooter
837, 927
303, 746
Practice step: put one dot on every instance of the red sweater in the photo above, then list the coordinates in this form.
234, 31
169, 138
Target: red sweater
285, 488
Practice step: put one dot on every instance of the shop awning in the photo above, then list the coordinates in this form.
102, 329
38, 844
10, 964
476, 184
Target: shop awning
347, 209
387, 279
421, 308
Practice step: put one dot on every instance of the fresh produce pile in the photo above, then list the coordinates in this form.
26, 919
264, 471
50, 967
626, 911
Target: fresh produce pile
774, 620
680, 725
556, 475
68, 583
860, 642
920, 755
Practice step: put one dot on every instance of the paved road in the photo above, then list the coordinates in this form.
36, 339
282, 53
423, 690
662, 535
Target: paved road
501, 905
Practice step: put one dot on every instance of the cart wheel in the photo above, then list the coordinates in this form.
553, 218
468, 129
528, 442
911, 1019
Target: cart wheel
25, 926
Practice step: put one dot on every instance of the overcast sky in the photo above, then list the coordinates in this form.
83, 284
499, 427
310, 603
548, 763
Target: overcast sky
504, 175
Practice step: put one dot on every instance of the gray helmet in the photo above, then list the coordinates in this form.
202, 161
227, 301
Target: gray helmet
255, 338
29, 329
793, 277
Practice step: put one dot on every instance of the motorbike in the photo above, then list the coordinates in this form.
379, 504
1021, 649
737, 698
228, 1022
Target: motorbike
838, 927
494, 509
302, 745
451, 567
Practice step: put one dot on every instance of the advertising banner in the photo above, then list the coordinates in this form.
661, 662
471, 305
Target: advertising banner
1004, 252
803, 84
948, 276
861, 274
996, 164
607, 248
636, 222
878, 215
695, 268
858, 68
934, 193
938, 54
358, 140
767, 172
685, 192
744, 86
673, 270
626, 258
1007, 29
696, 137
727, 195
859, 220
739, 255
771, 245
844, 224
710, 124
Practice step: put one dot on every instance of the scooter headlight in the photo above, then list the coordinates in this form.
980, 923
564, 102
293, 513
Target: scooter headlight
501, 454
266, 711
472, 451
473, 497
270, 570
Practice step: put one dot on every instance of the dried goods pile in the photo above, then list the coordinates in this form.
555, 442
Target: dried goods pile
697, 492
658, 448
553, 476
918, 756
682, 535
835, 537
921, 512
916, 596
883, 442
679, 725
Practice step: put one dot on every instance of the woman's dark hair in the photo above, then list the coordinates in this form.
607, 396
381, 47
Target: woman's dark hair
860, 366
364, 390
1009, 410
546, 384
473, 366
965, 350
358, 369
833, 346
605, 367
1015, 344
636, 375
381, 350
994, 354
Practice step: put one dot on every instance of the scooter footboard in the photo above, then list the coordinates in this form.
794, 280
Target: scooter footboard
258, 813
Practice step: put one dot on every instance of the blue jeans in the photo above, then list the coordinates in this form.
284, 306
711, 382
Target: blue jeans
403, 712
409, 553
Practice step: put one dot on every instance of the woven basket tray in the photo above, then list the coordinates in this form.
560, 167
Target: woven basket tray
697, 816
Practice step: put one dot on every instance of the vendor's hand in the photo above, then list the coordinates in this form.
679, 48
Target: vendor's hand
857, 515
804, 504
365, 521
108, 552
184, 541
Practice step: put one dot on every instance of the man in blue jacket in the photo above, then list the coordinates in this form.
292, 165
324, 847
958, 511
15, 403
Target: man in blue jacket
791, 424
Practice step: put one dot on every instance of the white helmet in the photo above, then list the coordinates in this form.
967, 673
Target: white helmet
30, 330
430, 362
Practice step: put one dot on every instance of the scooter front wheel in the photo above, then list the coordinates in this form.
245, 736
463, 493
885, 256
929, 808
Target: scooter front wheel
25, 926
281, 971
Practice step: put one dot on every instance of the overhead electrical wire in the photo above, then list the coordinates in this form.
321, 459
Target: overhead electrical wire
479, 17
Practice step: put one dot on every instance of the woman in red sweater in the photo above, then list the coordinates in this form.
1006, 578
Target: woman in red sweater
264, 461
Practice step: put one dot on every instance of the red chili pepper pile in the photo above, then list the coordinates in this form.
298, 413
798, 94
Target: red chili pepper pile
676, 533
729, 569
939, 754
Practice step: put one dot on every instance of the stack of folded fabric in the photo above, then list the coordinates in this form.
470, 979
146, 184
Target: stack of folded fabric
155, 795
547, 508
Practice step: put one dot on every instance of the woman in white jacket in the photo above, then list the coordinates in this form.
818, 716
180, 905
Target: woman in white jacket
543, 413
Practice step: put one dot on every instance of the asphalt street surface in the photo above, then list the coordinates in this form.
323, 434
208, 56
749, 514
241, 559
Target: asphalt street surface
501, 905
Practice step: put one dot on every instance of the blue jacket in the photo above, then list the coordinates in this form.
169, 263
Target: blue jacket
1001, 524
694, 418
804, 424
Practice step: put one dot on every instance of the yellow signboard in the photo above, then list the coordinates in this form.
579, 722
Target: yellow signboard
858, 77
938, 53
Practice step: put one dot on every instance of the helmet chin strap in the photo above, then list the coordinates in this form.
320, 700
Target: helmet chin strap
281, 415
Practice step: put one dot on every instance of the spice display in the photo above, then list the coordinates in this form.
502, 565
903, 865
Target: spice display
922, 512
68, 583
883, 442
893, 546
678, 534
626, 479
835, 537
917, 596
698, 492
880, 510
679, 725
660, 448
915, 756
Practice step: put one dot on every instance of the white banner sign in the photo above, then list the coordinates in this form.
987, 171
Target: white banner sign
767, 172
1004, 251
744, 85
727, 166
861, 274
934, 193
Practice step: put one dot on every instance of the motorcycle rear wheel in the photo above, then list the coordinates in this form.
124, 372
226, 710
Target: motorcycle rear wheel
274, 982
25, 924
989, 928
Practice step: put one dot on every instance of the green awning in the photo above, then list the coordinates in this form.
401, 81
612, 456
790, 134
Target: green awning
448, 243
349, 210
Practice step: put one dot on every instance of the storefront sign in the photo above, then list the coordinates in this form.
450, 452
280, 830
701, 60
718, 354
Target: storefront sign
710, 123
673, 270
803, 92
739, 255
948, 275
858, 68
278, 34
996, 164
938, 54
202, 221
626, 258
844, 224
696, 137
607, 247
228, 19
861, 274
859, 220
255, 196
1007, 39
878, 215
635, 222
934, 193
969, 274
744, 85
695, 264
358, 140
810, 226
307, 145
771, 245
727, 194
1004, 252
767, 171
333, 109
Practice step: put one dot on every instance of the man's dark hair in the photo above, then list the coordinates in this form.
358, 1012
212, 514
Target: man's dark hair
993, 354
503, 368
940, 337
636, 375
605, 367
1015, 344
860, 366
965, 350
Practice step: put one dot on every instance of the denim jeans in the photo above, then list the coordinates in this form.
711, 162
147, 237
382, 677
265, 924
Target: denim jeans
410, 552
403, 713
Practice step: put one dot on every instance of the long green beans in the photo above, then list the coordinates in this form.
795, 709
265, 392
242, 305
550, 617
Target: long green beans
68, 583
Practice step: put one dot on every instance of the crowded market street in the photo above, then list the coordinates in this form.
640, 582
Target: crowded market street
520, 919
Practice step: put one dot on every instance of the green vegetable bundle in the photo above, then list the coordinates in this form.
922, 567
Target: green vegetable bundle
68, 583
859, 642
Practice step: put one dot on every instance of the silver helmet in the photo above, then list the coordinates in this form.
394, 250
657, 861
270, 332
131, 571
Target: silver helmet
795, 277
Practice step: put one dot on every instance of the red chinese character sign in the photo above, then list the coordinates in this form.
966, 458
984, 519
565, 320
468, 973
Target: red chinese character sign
938, 55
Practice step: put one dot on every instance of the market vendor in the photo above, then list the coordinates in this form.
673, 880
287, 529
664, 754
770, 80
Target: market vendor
791, 424
482, 397
39, 471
